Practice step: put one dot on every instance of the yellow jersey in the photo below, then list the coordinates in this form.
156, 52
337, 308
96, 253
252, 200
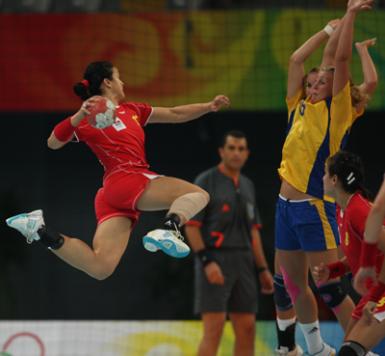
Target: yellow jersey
315, 132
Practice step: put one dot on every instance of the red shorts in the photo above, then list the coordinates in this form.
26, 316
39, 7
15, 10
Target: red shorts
120, 193
379, 313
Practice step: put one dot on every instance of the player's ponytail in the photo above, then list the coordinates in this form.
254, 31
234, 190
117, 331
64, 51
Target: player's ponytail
93, 76
349, 169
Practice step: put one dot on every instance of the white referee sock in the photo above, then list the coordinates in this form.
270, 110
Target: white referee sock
312, 336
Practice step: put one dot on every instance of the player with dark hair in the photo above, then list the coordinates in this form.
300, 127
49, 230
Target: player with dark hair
129, 187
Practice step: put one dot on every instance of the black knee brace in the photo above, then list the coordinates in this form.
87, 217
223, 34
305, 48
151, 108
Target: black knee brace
281, 298
332, 294
352, 348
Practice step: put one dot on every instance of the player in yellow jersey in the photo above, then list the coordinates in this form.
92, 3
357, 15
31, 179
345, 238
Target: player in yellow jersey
306, 230
286, 317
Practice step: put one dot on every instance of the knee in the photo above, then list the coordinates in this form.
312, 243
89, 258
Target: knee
282, 298
214, 330
332, 294
352, 348
103, 271
205, 195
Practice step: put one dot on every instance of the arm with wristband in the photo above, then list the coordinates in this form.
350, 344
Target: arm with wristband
64, 130
296, 71
324, 273
264, 274
211, 267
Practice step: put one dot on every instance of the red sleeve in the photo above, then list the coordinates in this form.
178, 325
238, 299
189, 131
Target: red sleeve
143, 111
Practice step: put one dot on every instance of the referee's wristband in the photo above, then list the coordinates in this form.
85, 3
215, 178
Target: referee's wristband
205, 256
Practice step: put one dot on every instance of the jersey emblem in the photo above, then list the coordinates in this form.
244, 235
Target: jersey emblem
119, 125
136, 119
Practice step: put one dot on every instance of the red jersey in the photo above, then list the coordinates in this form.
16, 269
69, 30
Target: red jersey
120, 146
351, 225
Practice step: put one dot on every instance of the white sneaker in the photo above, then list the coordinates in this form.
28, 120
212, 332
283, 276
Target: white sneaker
326, 350
370, 353
169, 241
284, 351
28, 224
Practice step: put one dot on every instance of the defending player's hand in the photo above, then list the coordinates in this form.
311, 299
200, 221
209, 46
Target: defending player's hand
360, 5
364, 279
366, 44
368, 311
219, 102
266, 282
214, 273
321, 273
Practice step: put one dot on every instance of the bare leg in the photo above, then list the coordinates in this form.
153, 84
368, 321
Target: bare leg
163, 192
367, 334
109, 243
213, 324
244, 330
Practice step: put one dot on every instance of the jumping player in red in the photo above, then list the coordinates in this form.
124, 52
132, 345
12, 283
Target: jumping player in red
128, 185
343, 180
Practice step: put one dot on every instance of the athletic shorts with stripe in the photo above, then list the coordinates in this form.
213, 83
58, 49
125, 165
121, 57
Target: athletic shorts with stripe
308, 225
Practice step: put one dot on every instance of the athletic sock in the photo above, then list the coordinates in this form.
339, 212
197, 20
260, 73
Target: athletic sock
49, 238
312, 336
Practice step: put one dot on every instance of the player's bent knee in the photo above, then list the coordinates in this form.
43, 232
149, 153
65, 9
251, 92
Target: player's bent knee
332, 294
103, 271
282, 298
352, 348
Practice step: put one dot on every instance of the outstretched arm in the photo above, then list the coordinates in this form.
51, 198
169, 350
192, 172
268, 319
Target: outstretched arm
344, 48
184, 113
296, 64
329, 53
368, 68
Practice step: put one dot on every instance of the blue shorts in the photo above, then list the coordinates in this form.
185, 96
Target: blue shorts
308, 225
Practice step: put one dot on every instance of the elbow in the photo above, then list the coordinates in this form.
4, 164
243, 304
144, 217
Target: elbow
371, 85
295, 58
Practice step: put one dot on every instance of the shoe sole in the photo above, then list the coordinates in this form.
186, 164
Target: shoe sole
167, 246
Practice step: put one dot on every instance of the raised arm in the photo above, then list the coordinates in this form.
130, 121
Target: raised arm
296, 64
184, 113
64, 131
368, 68
344, 48
329, 52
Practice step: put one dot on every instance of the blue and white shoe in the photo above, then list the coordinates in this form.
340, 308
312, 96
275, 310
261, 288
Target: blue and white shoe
168, 241
370, 353
27, 224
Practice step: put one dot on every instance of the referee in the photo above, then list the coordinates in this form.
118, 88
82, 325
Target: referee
229, 254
